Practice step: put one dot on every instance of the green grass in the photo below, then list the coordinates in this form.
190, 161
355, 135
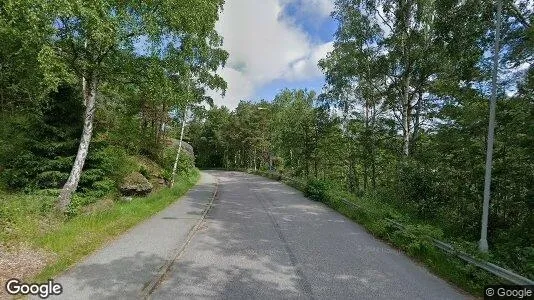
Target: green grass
70, 239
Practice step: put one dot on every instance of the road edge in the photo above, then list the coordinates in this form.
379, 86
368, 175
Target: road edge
152, 285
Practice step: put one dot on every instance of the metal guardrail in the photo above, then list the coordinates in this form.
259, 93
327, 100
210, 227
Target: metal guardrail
449, 249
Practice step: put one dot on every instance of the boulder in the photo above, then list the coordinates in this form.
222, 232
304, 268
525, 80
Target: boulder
186, 147
135, 184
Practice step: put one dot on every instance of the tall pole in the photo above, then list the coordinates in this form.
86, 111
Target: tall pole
483, 243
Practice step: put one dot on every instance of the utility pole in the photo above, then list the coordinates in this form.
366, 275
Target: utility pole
483, 243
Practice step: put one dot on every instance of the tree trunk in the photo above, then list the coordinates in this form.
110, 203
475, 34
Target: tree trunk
406, 101
368, 149
417, 124
315, 166
255, 169
179, 150
373, 145
89, 94
406, 117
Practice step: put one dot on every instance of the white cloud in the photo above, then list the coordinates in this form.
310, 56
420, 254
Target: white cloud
265, 46
307, 66
239, 88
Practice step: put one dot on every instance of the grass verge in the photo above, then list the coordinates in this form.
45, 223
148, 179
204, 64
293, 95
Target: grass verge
67, 240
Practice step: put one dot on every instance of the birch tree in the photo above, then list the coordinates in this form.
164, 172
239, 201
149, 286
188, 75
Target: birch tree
86, 38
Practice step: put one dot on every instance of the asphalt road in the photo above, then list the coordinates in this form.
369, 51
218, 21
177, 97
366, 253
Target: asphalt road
260, 239
263, 239
128, 266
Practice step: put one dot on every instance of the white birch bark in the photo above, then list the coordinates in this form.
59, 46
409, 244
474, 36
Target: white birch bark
179, 150
407, 114
89, 93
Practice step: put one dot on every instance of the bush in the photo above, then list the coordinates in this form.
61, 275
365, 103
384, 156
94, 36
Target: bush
102, 187
21, 170
113, 161
186, 163
416, 239
51, 179
78, 201
106, 167
144, 171
415, 189
317, 190
41, 142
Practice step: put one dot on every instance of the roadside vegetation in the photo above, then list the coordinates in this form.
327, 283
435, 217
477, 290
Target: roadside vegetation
401, 128
94, 96
372, 212
92, 100
102, 225
437, 188
32, 233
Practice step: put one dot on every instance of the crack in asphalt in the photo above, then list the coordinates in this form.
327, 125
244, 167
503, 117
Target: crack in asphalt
152, 285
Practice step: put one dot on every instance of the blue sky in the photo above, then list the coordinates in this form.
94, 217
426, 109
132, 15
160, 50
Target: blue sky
273, 44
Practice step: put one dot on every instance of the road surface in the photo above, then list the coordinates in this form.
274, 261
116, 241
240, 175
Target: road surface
259, 239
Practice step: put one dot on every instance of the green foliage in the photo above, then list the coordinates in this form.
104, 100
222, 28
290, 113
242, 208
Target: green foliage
416, 239
186, 163
67, 56
49, 179
105, 169
44, 142
317, 190
416, 189
209, 138
31, 219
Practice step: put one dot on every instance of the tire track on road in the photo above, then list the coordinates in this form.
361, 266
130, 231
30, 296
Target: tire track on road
302, 280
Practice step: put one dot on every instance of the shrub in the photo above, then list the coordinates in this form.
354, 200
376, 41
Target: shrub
186, 163
102, 187
416, 239
415, 189
144, 171
51, 179
21, 170
317, 190
112, 161
79, 201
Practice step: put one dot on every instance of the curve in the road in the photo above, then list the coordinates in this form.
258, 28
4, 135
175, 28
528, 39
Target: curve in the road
265, 240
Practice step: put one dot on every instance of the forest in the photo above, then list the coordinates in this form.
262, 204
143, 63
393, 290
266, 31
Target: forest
93, 92
403, 120
90, 94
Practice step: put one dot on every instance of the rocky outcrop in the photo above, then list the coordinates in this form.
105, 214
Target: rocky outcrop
135, 184
186, 147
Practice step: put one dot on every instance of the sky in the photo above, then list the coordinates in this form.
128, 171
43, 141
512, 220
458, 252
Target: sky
273, 44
